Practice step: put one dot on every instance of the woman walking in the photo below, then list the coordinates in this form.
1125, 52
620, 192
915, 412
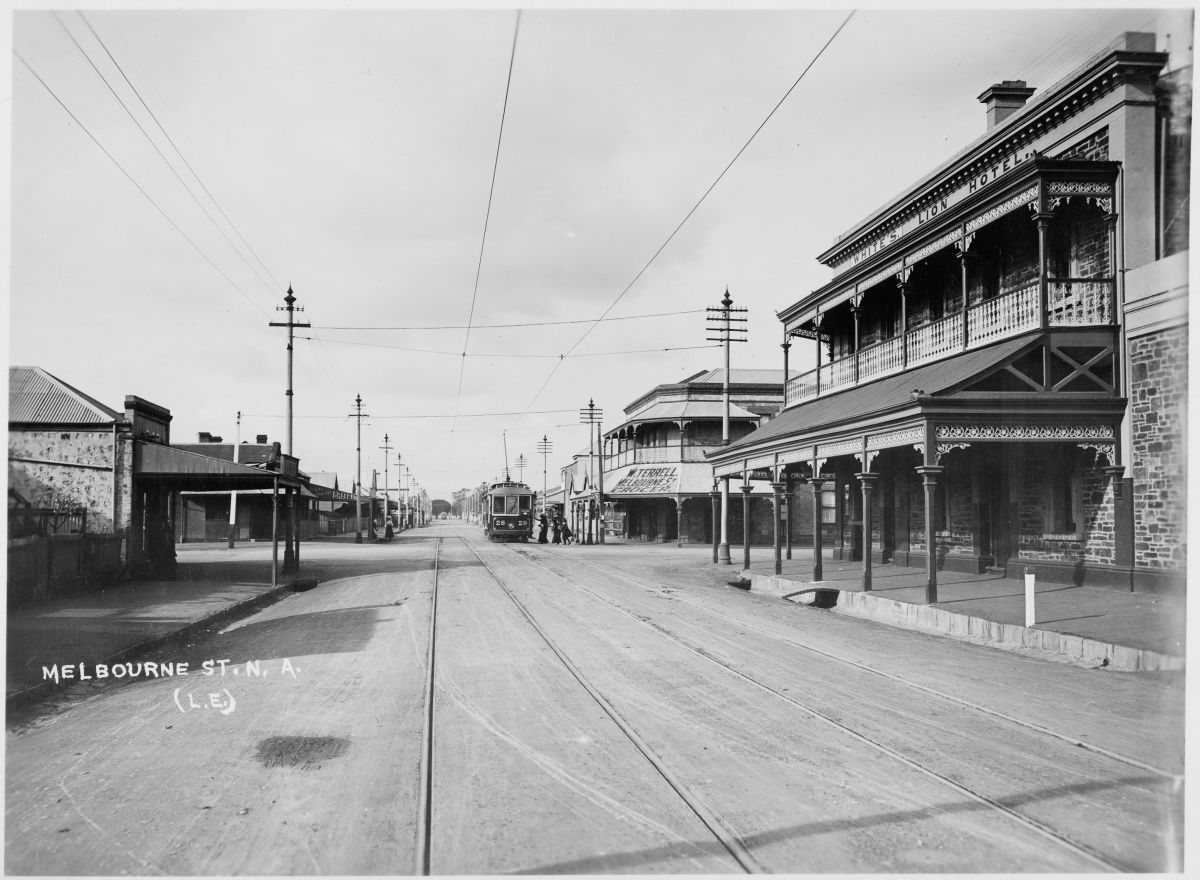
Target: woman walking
543, 524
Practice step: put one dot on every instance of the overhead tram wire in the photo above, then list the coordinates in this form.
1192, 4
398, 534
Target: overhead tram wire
187, 188
274, 281
129, 177
508, 354
525, 323
272, 285
699, 202
486, 219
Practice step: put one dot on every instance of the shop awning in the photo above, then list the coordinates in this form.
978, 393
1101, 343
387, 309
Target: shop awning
189, 471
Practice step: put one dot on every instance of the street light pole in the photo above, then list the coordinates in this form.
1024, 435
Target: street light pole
720, 322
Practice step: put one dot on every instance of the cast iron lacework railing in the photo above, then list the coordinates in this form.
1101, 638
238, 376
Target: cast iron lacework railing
1071, 302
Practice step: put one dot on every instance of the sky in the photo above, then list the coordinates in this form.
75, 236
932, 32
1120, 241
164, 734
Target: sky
406, 169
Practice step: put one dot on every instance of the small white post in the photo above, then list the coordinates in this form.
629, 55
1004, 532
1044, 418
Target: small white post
1030, 590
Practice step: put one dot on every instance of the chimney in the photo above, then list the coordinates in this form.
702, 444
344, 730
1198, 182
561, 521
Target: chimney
261, 439
204, 437
1004, 99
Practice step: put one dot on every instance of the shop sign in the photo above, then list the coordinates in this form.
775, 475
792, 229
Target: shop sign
647, 481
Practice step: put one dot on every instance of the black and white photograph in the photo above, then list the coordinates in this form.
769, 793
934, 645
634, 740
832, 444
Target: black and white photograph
596, 439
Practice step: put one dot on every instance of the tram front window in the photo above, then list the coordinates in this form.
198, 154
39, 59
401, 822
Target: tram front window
498, 504
526, 504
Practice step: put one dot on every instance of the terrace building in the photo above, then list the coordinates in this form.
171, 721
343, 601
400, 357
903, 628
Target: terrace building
998, 366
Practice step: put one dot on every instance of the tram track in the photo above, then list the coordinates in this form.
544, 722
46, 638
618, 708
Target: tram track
726, 836
1031, 824
892, 677
425, 785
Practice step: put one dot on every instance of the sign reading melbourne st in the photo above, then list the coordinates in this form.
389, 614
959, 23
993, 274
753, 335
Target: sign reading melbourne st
647, 481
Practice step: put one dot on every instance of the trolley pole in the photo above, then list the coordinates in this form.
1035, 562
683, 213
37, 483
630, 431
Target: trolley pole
291, 558
721, 322
358, 415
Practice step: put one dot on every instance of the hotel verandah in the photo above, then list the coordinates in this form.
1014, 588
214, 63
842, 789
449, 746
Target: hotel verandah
1003, 348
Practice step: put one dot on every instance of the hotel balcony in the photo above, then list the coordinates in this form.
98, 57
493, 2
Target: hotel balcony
1034, 254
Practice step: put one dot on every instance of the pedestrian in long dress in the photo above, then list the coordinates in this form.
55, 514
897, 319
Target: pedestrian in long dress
556, 530
543, 525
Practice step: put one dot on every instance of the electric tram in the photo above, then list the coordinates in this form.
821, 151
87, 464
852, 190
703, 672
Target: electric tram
508, 512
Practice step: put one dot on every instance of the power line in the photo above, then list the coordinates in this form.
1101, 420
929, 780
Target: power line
488, 214
699, 202
146, 134
274, 286
522, 324
129, 177
417, 416
503, 354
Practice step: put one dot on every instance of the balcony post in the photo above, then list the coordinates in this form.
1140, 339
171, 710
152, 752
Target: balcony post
856, 311
817, 334
786, 346
818, 485
961, 248
1043, 224
1110, 220
868, 485
789, 502
715, 494
777, 503
746, 490
929, 475
904, 289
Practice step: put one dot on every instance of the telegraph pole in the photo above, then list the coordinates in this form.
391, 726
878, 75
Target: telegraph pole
358, 414
386, 449
521, 462
291, 559
545, 447
721, 321
590, 415
237, 442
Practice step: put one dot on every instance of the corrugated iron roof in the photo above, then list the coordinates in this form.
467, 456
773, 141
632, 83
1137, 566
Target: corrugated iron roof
35, 396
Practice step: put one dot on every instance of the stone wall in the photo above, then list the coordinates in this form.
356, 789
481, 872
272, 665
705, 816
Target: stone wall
73, 469
1158, 397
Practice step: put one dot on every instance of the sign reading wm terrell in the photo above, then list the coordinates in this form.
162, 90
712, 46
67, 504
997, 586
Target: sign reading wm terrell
647, 481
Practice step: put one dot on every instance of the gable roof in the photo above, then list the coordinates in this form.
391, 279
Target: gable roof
37, 397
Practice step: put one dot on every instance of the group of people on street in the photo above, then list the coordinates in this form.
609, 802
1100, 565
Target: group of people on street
561, 532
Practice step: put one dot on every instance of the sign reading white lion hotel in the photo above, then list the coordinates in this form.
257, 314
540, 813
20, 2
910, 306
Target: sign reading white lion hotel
929, 210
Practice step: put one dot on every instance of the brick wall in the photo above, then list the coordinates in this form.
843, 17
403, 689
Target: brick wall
1094, 539
1094, 148
1158, 395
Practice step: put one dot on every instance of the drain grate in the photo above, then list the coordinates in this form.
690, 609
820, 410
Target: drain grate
305, 752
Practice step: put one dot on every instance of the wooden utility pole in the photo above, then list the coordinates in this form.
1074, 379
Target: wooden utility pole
291, 558
358, 414
721, 322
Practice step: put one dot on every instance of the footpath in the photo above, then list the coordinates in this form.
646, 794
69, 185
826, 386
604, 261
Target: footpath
1096, 626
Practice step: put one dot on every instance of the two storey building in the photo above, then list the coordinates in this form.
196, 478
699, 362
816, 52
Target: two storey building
998, 366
